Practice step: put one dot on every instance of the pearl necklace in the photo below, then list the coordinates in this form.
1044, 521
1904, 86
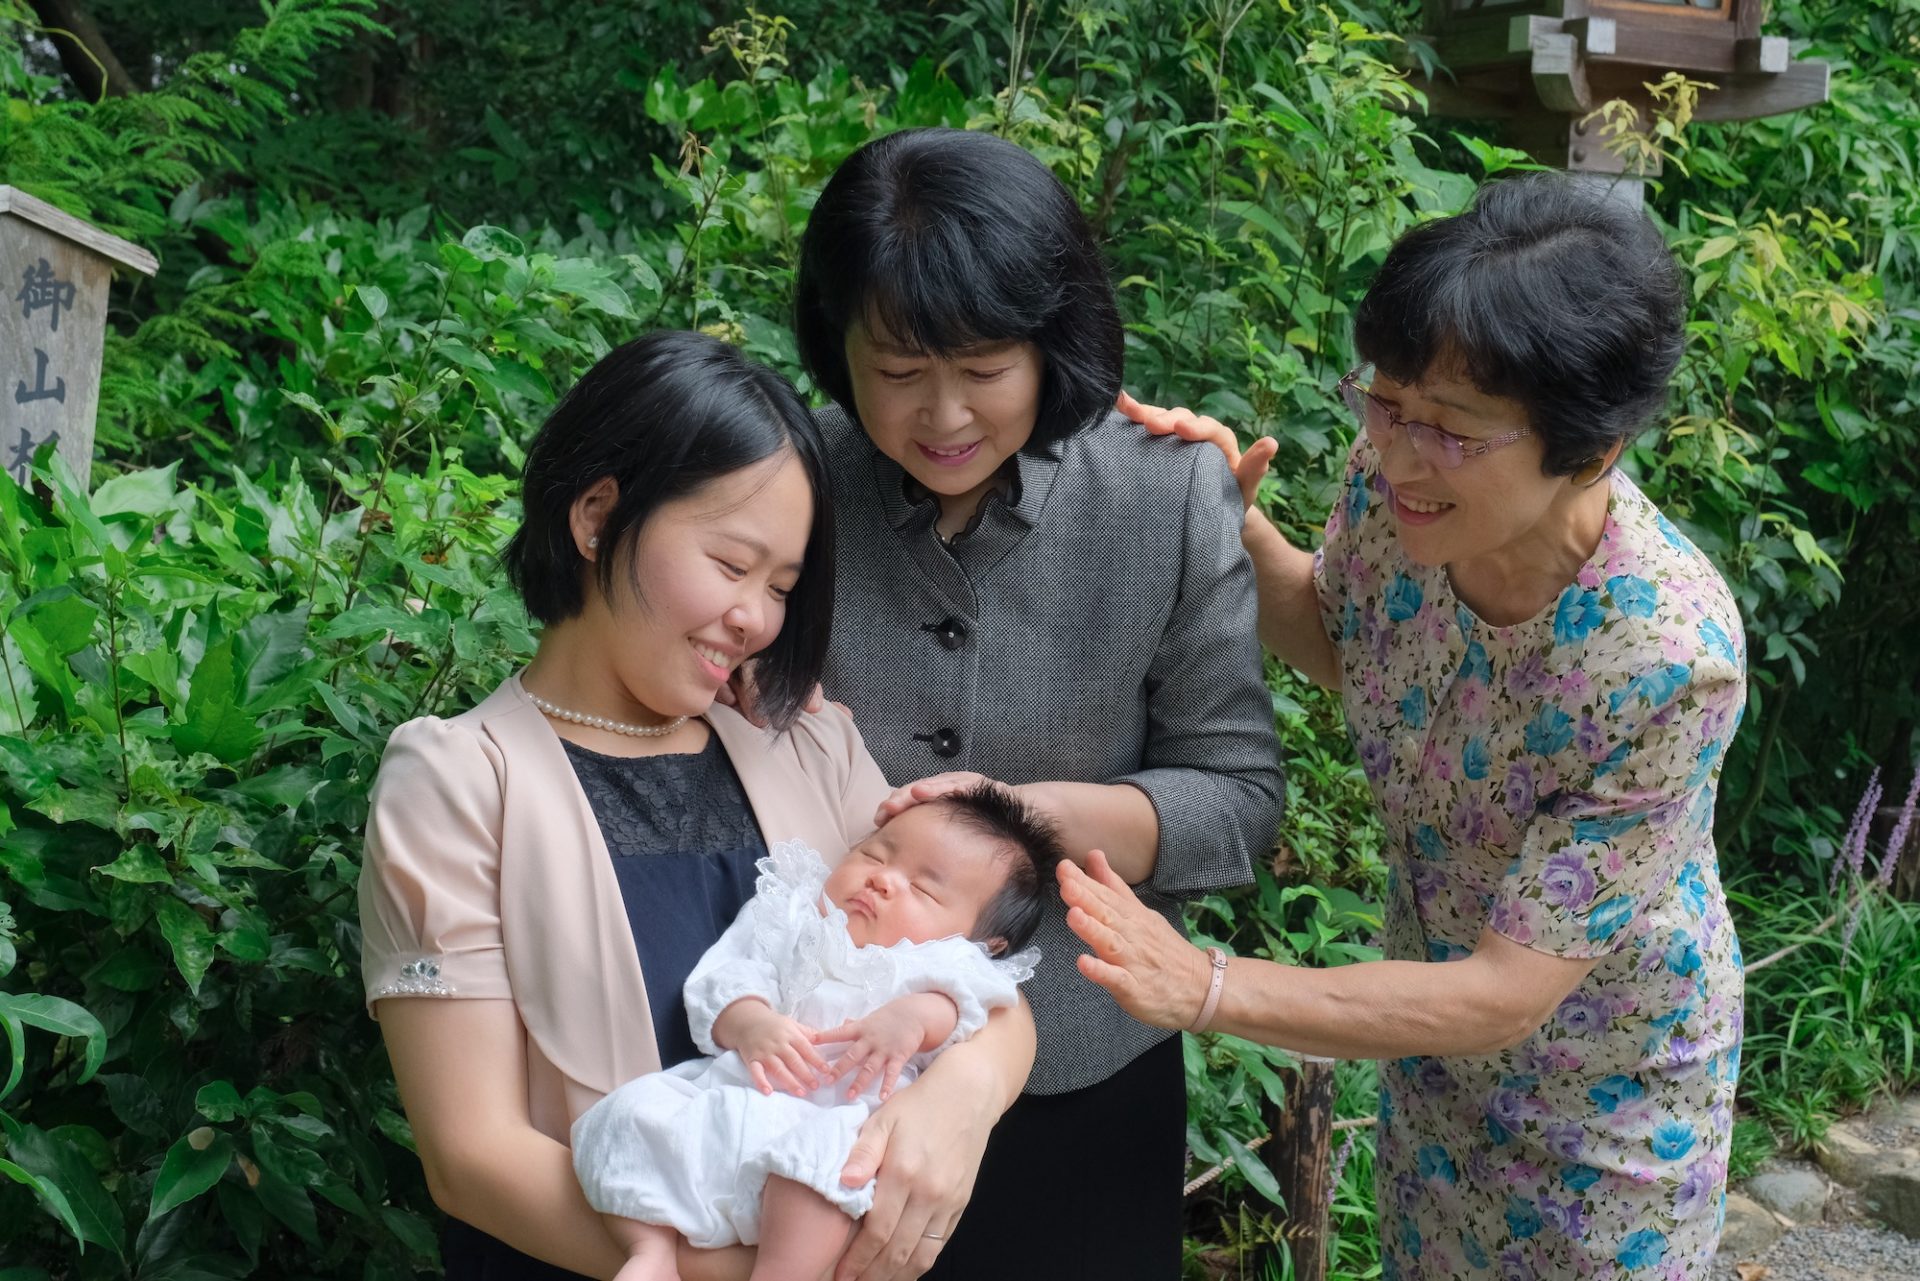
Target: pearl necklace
602, 722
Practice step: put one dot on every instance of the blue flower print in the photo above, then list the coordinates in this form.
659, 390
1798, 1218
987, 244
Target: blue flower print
1523, 1218
1683, 956
1349, 620
1609, 918
1476, 666
1671, 532
1441, 950
1635, 597
1718, 643
1413, 708
1403, 598
1614, 759
1693, 887
1475, 1252
1643, 1249
1356, 499
1579, 1177
1654, 689
1464, 618
1579, 613
1410, 1238
1672, 1140
1436, 1164
1549, 731
1428, 841
1474, 761
1615, 1091
1595, 830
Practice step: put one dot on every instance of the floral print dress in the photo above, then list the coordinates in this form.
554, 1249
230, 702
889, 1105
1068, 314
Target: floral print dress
1554, 780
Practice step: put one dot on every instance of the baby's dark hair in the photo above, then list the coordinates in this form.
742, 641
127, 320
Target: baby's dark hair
1033, 842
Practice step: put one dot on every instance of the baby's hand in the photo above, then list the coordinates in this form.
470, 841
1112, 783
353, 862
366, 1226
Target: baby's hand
777, 1050
880, 1044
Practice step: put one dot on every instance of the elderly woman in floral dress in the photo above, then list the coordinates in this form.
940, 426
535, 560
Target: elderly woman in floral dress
1541, 675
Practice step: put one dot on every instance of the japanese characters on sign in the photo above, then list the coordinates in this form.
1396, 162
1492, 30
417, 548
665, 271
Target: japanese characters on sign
54, 272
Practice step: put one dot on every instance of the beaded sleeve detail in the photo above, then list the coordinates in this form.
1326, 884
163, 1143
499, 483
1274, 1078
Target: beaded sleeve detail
418, 976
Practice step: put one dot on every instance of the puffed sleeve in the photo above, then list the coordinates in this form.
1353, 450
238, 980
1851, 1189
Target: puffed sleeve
961, 971
430, 881
747, 959
1606, 849
1211, 763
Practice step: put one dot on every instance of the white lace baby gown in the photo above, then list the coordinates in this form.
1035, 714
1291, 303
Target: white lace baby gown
691, 1147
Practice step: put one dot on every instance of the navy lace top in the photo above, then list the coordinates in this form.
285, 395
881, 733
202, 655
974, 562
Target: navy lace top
684, 842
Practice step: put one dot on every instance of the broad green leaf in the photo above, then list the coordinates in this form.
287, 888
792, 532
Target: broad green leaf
148, 493
214, 720
189, 937
1258, 1176
187, 1172
62, 1018
54, 1156
218, 1101
16, 1051
374, 299
288, 1204
140, 865
52, 1199
63, 617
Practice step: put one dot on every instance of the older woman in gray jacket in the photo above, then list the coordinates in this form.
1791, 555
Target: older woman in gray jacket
1032, 589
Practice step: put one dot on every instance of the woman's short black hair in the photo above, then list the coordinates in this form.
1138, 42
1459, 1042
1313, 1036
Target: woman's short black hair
1546, 293
1034, 850
665, 415
951, 239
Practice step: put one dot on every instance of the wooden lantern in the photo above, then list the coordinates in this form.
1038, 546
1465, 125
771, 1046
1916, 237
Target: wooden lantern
1543, 66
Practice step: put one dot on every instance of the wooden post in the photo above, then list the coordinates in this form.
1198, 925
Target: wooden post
53, 321
1300, 1154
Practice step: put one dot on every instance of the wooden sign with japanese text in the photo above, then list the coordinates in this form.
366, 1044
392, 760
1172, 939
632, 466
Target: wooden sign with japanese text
54, 271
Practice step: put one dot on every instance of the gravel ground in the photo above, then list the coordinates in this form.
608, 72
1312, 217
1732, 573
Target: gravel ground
1850, 1253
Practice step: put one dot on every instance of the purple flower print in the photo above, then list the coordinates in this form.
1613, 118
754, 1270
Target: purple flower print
1519, 790
1696, 1190
1517, 918
1565, 1141
1375, 759
1570, 1219
1432, 1078
1583, 1015
1406, 1192
1510, 1108
1528, 676
1566, 881
1591, 739
1468, 825
1575, 686
1515, 1265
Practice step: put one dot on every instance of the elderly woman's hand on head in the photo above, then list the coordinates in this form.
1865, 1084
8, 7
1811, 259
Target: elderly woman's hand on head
1149, 967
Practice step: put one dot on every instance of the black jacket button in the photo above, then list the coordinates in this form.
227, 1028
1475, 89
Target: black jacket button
950, 632
944, 742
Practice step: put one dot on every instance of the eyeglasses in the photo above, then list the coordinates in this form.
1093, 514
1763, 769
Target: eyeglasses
1439, 447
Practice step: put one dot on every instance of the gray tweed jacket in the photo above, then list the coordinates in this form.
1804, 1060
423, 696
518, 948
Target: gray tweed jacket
1095, 625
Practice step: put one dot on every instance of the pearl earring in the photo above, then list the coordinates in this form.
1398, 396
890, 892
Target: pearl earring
593, 542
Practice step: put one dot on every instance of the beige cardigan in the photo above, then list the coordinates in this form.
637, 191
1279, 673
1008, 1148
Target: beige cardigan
486, 876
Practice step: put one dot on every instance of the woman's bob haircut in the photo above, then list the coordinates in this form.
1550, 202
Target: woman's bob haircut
664, 416
950, 240
1543, 292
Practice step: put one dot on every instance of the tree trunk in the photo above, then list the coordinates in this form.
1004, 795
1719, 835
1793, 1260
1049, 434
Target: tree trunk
1300, 1154
84, 53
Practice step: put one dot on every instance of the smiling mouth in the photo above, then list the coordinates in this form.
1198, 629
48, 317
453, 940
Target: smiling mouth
949, 456
718, 661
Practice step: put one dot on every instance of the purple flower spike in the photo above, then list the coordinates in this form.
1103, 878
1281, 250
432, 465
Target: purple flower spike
1897, 843
1856, 832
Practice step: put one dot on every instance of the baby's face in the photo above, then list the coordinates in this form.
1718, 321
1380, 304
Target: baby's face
921, 877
